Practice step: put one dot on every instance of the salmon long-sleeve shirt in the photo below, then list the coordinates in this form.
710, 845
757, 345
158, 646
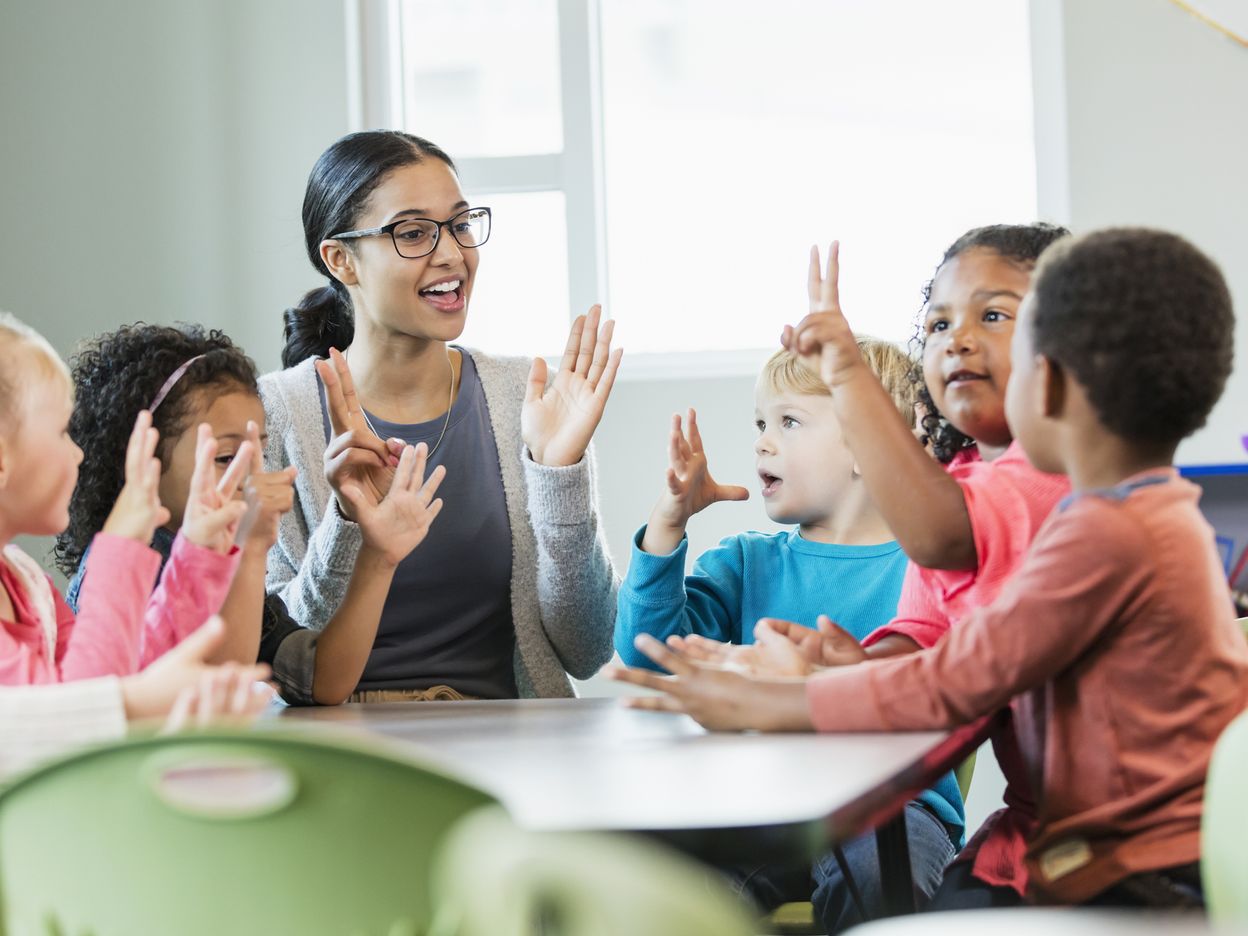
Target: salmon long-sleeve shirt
1116, 647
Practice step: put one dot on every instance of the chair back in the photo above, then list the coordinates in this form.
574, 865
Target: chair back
1222, 866
266, 831
493, 879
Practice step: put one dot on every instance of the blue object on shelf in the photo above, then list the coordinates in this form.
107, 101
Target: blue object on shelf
1196, 471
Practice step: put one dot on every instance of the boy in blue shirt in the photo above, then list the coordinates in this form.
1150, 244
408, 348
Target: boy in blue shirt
840, 561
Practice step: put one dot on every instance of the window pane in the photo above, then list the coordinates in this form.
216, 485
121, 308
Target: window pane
734, 140
519, 302
481, 77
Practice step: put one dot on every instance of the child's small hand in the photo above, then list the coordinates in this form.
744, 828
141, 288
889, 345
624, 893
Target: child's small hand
212, 511
690, 488
828, 644
268, 495
717, 698
227, 695
396, 524
823, 339
769, 656
137, 511
355, 455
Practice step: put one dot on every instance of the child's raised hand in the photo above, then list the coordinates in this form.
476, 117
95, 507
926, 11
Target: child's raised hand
137, 511
354, 456
823, 339
690, 488
397, 523
268, 495
212, 511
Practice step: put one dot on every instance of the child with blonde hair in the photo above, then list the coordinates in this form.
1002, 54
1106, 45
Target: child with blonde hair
840, 559
122, 625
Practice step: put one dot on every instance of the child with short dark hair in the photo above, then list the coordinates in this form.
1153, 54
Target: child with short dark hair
1114, 645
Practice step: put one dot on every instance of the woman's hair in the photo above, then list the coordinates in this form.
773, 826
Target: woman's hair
338, 189
120, 373
24, 354
784, 372
1021, 243
1143, 321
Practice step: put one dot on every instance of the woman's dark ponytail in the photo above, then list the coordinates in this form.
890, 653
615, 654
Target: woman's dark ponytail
322, 320
338, 189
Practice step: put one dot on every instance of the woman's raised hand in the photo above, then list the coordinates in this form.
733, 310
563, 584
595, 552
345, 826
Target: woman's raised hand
823, 339
137, 512
558, 421
213, 510
398, 523
354, 456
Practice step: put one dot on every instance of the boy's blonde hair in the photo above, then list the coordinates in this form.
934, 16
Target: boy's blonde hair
784, 372
25, 355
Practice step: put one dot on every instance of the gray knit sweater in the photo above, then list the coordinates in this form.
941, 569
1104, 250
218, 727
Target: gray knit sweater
563, 586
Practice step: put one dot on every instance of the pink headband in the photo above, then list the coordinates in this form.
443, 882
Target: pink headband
168, 384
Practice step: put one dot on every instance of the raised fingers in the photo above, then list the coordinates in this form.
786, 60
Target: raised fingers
574, 343
237, 472
695, 436
589, 337
602, 351
830, 292
257, 452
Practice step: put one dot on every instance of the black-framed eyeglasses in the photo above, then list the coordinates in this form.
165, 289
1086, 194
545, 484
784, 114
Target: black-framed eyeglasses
414, 238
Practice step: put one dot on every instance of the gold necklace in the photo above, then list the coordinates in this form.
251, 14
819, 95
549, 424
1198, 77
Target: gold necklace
450, 398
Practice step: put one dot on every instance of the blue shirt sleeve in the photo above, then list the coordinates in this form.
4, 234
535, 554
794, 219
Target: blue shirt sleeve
658, 599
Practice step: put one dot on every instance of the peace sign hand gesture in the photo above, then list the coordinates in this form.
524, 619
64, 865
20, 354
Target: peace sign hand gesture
354, 456
212, 510
398, 523
558, 421
823, 339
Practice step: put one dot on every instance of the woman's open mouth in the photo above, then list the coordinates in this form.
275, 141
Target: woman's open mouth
446, 296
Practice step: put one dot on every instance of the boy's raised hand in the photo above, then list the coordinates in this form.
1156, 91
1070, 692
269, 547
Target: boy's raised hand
137, 511
212, 511
397, 523
690, 488
823, 339
355, 455
268, 495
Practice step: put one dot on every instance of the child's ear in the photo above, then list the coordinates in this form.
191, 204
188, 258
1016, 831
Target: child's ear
339, 262
1053, 387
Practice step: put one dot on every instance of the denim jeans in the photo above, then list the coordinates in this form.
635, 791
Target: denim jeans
769, 886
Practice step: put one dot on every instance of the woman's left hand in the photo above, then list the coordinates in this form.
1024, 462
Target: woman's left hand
558, 421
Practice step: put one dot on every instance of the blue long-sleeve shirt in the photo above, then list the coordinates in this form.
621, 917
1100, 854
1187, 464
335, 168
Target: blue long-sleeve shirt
755, 575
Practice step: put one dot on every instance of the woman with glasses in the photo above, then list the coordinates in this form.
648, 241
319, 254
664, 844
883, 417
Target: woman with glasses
513, 588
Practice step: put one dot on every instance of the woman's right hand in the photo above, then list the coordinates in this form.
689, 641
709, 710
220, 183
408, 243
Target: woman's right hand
354, 456
395, 525
137, 512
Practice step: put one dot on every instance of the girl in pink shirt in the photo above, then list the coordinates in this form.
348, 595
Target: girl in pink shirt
120, 629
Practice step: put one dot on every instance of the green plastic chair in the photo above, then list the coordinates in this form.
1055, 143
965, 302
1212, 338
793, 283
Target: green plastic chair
1222, 867
493, 879
269, 831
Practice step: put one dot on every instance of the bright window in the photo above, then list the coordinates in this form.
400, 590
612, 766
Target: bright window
676, 158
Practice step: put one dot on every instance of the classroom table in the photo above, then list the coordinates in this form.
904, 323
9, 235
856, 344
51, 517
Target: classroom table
591, 764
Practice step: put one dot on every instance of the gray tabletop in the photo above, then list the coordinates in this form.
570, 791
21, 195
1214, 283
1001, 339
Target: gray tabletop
590, 764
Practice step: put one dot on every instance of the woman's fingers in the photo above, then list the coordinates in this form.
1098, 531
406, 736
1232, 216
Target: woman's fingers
431, 485
361, 441
335, 400
602, 351
573, 346
603, 389
589, 337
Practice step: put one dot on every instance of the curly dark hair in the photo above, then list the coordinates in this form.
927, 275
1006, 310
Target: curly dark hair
1142, 319
115, 376
1022, 243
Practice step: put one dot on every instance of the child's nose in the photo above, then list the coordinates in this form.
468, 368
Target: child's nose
965, 338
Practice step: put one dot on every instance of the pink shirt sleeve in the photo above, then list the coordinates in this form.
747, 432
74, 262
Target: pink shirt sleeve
192, 588
104, 638
1067, 592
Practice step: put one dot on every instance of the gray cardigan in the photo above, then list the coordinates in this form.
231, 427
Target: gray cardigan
563, 586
